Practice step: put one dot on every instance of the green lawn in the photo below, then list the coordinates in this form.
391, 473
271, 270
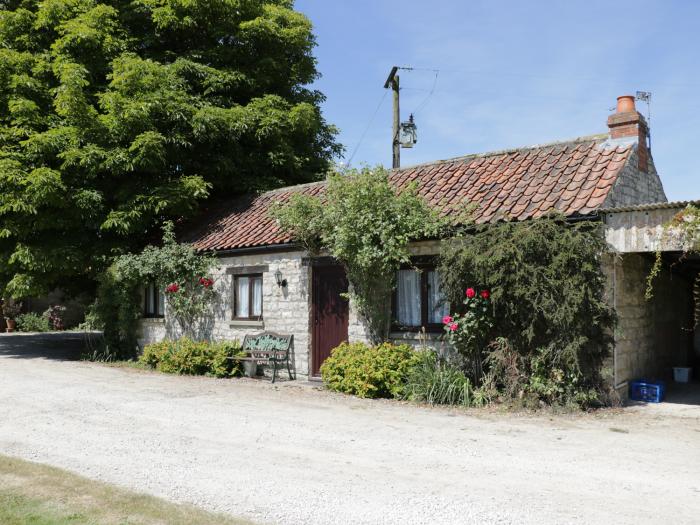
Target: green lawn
35, 494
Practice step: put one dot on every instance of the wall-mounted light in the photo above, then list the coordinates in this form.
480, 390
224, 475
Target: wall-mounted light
282, 283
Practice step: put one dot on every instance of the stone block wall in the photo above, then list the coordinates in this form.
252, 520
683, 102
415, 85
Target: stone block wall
286, 310
651, 336
635, 186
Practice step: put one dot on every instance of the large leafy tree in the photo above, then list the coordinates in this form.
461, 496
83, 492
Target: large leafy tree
118, 114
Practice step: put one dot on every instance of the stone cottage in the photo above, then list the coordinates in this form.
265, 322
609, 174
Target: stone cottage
266, 282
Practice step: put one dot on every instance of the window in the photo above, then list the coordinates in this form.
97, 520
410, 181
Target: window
154, 303
418, 300
247, 296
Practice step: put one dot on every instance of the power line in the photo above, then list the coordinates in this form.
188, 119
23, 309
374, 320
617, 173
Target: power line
369, 124
430, 94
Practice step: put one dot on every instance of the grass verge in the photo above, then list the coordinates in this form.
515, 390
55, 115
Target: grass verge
31, 493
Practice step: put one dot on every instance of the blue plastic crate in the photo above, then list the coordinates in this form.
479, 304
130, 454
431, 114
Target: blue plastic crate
647, 390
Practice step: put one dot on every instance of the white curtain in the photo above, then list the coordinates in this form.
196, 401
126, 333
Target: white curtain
150, 302
257, 296
161, 302
437, 306
408, 298
242, 307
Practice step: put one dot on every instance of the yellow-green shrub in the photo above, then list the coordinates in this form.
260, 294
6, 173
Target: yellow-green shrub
187, 357
369, 371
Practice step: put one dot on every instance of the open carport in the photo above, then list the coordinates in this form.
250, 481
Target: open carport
654, 334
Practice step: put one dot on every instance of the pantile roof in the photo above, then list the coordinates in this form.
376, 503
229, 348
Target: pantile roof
572, 177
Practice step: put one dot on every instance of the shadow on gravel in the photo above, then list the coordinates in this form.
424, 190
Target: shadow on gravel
63, 346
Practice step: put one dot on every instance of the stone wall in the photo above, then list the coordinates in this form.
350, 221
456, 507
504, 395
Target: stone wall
285, 310
651, 336
634, 186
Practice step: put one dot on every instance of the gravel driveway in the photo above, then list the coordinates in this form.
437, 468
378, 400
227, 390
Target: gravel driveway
294, 455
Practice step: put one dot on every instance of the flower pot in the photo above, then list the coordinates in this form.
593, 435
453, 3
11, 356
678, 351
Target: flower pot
11, 325
250, 368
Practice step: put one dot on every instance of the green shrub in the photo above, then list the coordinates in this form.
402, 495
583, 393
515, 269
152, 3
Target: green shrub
436, 382
187, 357
548, 300
369, 371
32, 322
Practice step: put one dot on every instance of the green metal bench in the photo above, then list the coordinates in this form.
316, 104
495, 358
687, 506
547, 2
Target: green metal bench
269, 348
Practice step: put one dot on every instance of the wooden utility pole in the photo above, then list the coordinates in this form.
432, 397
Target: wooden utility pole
393, 82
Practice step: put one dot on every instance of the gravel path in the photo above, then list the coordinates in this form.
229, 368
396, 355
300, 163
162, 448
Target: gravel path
295, 455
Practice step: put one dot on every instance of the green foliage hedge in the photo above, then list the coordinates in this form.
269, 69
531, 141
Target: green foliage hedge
550, 316
187, 357
369, 371
32, 322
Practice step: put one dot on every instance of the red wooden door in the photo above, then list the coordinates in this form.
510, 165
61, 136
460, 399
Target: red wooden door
330, 313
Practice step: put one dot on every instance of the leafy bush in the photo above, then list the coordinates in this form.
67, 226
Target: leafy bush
369, 371
548, 300
436, 382
55, 315
187, 357
32, 322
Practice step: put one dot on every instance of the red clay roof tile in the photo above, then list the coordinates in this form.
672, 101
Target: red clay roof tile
573, 178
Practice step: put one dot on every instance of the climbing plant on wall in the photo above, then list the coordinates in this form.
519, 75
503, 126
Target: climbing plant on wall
175, 268
366, 224
684, 230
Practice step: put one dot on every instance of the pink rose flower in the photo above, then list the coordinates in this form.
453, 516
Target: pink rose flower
470, 293
453, 327
447, 319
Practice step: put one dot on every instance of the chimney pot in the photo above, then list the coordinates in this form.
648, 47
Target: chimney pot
625, 104
628, 124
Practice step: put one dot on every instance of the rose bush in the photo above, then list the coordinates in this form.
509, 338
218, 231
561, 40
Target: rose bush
468, 331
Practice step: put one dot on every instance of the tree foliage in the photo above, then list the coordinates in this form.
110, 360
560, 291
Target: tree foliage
365, 224
552, 324
116, 115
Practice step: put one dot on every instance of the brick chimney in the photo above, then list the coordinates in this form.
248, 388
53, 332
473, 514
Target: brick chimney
628, 125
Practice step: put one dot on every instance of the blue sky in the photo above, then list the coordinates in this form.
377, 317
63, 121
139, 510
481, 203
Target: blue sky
510, 74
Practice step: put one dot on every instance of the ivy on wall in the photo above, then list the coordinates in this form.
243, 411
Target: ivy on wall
684, 228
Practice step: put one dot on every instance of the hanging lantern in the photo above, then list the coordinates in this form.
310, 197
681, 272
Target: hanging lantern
408, 133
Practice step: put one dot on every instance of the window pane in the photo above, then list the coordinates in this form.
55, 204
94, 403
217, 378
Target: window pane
408, 298
242, 309
437, 306
150, 303
161, 302
257, 295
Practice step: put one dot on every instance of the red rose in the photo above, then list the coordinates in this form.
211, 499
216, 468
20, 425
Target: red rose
172, 288
470, 293
204, 281
485, 294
